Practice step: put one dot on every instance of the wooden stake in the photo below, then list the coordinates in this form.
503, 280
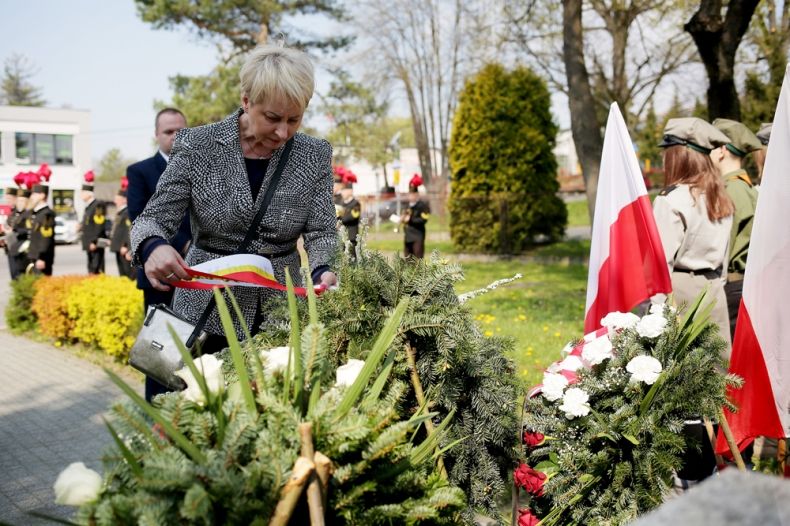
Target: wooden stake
289, 496
712, 439
314, 497
418, 392
323, 468
736, 454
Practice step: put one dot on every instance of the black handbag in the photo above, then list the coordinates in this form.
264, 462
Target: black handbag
155, 352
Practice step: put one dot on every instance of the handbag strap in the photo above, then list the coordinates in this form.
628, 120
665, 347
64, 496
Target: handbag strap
251, 232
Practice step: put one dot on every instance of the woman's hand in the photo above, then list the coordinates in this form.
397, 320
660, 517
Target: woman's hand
164, 265
328, 280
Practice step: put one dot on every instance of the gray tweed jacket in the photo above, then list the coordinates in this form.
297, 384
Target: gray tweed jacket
206, 174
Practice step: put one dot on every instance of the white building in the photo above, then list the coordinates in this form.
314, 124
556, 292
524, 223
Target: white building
58, 137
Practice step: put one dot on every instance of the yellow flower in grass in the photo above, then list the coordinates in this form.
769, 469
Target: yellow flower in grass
488, 334
545, 328
557, 334
521, 317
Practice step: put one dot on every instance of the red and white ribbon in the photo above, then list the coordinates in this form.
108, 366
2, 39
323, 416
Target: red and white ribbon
238, 270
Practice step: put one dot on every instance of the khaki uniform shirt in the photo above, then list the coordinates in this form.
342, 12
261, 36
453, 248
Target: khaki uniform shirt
691, 240
744, 197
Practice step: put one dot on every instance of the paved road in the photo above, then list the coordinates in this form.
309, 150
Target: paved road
51, 405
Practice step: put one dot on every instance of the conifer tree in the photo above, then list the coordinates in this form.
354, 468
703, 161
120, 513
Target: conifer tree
504, 180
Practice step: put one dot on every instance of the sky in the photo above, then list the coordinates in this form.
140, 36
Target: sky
99, 56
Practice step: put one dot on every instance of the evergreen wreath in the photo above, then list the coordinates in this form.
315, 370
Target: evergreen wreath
602, 435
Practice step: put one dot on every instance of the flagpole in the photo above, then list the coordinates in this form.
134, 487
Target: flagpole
736, 453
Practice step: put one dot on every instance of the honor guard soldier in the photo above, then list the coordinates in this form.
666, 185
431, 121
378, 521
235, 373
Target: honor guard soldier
414, 220
41, 254
20, 225
337, 188
729, 161
119, 239
764, 135
94, 227
9, 195
351, 211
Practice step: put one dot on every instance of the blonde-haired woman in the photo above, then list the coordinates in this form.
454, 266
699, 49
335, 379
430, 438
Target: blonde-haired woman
221, 173
694, 215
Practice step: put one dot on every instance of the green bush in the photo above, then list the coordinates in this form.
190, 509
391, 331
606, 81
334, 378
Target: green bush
504, 184
107, 313
18, 313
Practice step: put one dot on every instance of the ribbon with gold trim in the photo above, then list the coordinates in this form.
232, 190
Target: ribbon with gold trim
238, 270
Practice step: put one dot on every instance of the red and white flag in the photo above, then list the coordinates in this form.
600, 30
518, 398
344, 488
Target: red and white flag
627, 262
761, 348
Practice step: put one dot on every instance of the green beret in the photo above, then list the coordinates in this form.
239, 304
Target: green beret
742, 140
693, 132
765, 132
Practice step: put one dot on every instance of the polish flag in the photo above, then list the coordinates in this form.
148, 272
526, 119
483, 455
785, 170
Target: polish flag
627, 262
761, 348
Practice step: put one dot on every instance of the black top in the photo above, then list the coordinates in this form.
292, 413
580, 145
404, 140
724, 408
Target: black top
256, 171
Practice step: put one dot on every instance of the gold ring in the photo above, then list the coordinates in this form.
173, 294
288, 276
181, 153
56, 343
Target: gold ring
170, 275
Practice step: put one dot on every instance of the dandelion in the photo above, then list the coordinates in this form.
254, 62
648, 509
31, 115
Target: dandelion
557, 334
545, 328
488, 334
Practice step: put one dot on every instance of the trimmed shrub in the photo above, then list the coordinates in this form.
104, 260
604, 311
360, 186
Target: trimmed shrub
504, 186
50, 305
107, 313
18, 313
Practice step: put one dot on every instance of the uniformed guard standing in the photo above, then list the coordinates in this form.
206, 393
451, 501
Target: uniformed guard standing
94, 227
41, 254
414, 219
119, 239
694, 218
9, 237
20, 225
728, 159
350, 212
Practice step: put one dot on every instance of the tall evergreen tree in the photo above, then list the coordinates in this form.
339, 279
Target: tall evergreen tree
503, 168
17, 90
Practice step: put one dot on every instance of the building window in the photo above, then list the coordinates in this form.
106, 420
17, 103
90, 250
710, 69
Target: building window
37, 148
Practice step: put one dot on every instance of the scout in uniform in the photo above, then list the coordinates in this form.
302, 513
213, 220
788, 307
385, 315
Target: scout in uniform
94, 227
350, 211
119, 239
414, 220
764, 135
694, 218
41, 254
8, 232
729, 161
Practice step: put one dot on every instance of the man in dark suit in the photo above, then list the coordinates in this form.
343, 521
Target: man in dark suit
119, 239
143, 178
94, 227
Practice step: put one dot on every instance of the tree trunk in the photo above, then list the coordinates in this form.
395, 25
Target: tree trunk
584, 122
717, 40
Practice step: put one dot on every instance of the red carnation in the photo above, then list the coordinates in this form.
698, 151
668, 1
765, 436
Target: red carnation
529, 479
89, 176
44, 171
415, 181
533, 438
526, 518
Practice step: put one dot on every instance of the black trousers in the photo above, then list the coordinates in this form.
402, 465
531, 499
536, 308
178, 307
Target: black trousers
20, 264
414, 248
11, 266
96, 261
733, 290
124, 266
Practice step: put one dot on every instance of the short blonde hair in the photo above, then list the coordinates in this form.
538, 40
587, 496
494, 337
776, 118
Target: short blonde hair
271, 72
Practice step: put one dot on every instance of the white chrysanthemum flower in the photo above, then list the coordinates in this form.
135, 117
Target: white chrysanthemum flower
658, 308
77, 485
347, 374
651, 326
644, 369
571, 363
553, 386
598, 350
276, 359
211, 369
619, 320
575, 402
